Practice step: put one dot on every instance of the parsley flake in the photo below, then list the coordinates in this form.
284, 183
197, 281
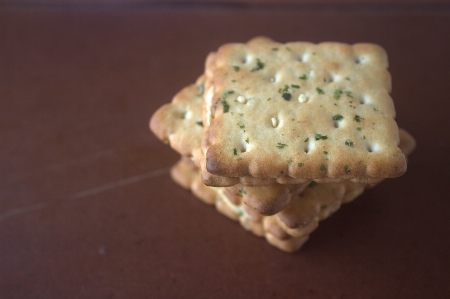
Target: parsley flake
346, 169
281, 145
322, 167
303, 77
349, 94
200, 123
320, 90
320, 136
247, 140
306, 140
225, 106
337, 117
269, 99
358, 128
235, 151
295, 85
242, 191
358, 118
201, 89
236, 68
234, 81
300, 164
224, 94
289, 49
347, 78
259, 65
286, 96
348, 142
274, 49
337, 93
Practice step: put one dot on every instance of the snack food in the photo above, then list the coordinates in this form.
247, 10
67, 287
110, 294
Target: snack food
332, 130
297, 111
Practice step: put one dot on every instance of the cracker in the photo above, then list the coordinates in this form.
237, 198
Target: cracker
289, 229
300, 110
179, 123
266, 200
186, 175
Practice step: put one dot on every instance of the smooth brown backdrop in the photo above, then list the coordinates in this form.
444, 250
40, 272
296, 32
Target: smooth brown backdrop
87, 208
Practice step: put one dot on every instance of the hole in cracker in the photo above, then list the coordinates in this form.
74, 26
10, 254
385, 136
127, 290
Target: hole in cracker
185, 114
307, 147
244, 59
274, 78
243, 148
363, 99
328, 78
372, 148
360, 59
302, 57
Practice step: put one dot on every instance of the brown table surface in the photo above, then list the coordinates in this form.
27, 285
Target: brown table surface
87, 207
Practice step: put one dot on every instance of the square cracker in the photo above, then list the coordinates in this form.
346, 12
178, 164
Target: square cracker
289, 229
301, 110
179, 123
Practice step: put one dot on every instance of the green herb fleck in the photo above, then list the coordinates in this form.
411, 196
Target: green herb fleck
247, 140
269, 99
347, 78
306, 140
358, 118
300, 164
348, 142
274, 49
286, 96
242, 126
358, 128
349, 94
233, 81
346, 169
201, 89
325, 152
303, 77
295, 85
225, 106
319, 90
312, 184
235, 151
337, 93
281, 145
242, 191
200, 123
337, 117
289, 49
224, 94
322, 167
320, 136
259, 65
289, 161
236, 68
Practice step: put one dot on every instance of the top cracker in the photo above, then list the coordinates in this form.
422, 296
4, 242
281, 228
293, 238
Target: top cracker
301, 110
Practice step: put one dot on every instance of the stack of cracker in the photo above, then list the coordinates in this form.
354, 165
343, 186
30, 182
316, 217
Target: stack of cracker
278, 136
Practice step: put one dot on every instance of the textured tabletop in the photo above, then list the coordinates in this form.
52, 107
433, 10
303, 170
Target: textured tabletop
87, 207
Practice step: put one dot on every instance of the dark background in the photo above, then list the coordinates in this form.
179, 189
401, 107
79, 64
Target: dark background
87, 208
